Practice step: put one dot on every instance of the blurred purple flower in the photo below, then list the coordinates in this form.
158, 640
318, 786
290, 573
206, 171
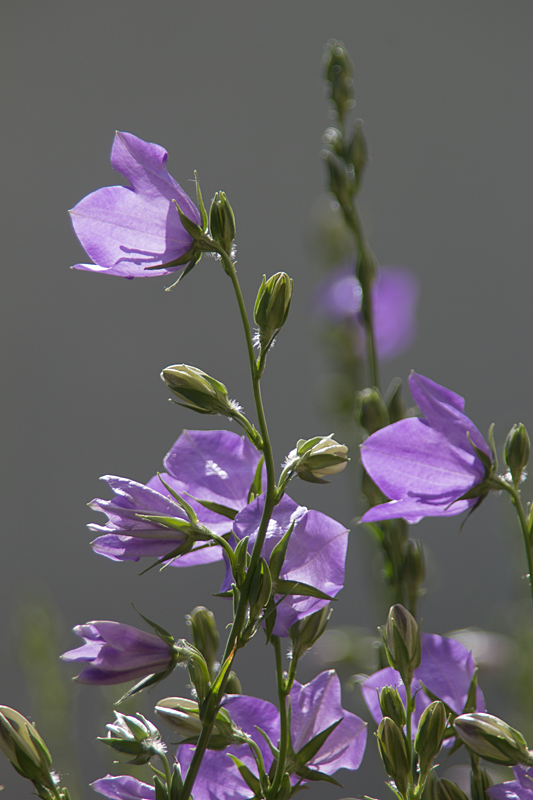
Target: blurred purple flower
315, 555
425, 464
125, 229
216, 466
116, 653
394, 297
446, 670
519, 789
315, 706
123, 787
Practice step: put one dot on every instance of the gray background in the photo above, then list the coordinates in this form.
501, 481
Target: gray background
234, 90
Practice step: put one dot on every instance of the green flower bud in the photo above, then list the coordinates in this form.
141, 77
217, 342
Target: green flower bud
428, 740
222, 222
358, 151
312, 459
204, 634
492, 739
22, 745
307, 631
516, 451
197, 390
339, 181
391, 705
272, 307
183, 716
134, 736
260, 590
393, 751
370, 411
447, 790
233, 684
479, 783
402, 642
338, 73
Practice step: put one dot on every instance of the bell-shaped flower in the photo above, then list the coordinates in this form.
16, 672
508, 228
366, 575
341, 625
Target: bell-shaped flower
123, 787
394, 299
116, 653
519, 789
426, 464
215, 467
315, 555
446, 670
127, 229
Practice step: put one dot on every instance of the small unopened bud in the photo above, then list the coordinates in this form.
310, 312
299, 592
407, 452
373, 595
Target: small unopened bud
204, 633
447, 790
492, 739
516, 451
402, 642
312, 459
358, 151
370, 410
480, 781
272, 307
22, 745
197, 390
339, 180
391, 705
233, 684
428, 740
307, 631
338, 73
222, 221
134, 736
393, 751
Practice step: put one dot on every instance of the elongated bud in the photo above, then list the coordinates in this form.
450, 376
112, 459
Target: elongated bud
134, 736
308, 630
197, 390
447, 790
312, 459
204, 634
402, 642
22, 745
428, 740
479, 783
391, 705
272, 307
339, 180
393, 752
516, 451
492, 739
338, 73
357, 154
370, 411
222, 222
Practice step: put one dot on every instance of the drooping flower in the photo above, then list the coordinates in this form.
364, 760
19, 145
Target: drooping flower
315, 706
315, 555
426, 464
213, 466
446, 670
116, 653
519, 789
123, 787
126, 229
394, 299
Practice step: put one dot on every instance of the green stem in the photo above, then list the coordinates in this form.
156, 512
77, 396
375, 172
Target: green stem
166, 767
409, 708
526, 533
284, 721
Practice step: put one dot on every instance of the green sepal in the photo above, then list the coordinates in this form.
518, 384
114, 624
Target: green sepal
217, 683
163, 634
176, 783
189, 510
160, 789
277, 557
273, 749
470, 704
316, 775
493, 450
200, 199
309, 750
218, 508
169, 522
256, 487
248, 776
270, 618
144, 683
184, 548
282, 586
191, 227
305, 475
483, 457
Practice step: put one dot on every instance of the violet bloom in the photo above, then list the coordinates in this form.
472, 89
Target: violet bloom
446, 670
519, 789
116, 653
215, 466
315, 555
315, 706
394, 298
425, 464
123, 787
126, 229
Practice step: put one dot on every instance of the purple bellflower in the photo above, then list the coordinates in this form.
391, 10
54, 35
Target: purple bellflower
446, 670
213, 466
116, 653
426, 464
123, 787
125, 229
315, 555
394, 299
519, 789
315, 706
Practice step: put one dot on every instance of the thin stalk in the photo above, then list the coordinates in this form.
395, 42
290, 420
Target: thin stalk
526, 533
284, 721
166, 766
409, 708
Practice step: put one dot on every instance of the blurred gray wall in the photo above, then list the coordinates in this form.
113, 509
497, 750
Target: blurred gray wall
234, 90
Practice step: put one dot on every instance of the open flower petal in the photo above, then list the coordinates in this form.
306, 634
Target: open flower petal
123, 787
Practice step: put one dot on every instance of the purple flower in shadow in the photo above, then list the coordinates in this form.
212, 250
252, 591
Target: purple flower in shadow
116, 653
125, 229
315, 555
519, 789
426, 464
123, 787
394, 298
446, 670
215, 466
315, 706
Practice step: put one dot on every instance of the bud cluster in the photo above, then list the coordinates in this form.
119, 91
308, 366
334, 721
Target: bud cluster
313, 459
